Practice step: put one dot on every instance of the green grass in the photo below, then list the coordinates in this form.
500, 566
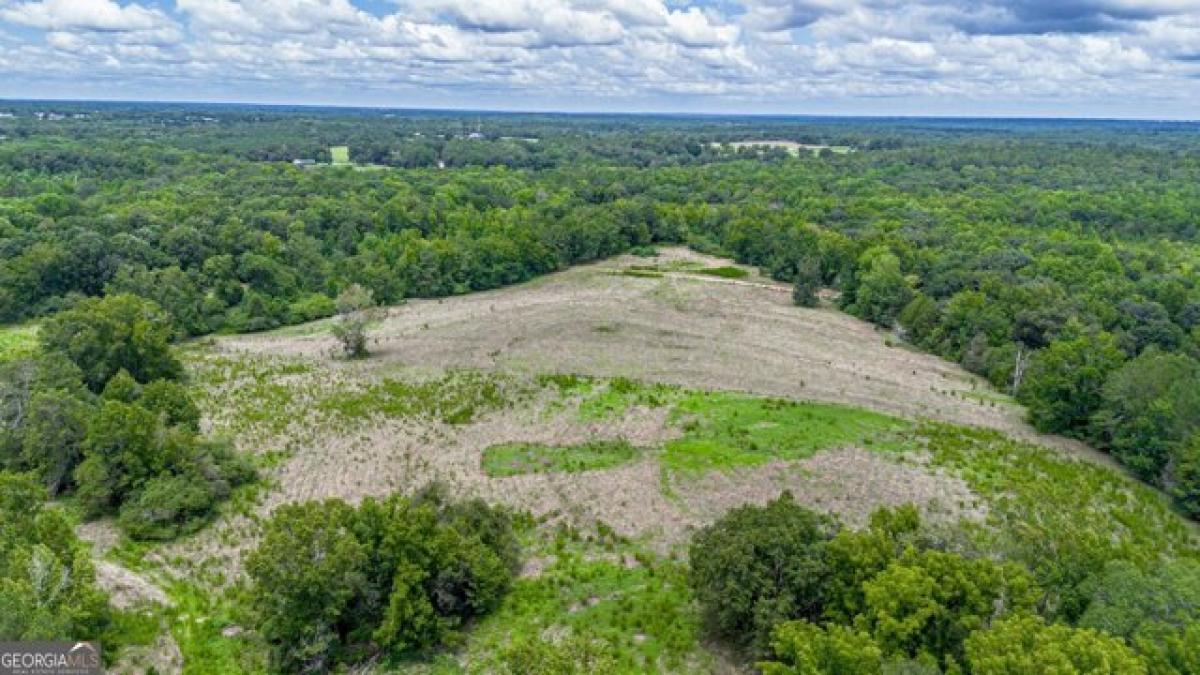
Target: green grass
618, 395
455, 398
723, 430
1064, 519
510, 459
197, 620
726, 272
17, 341
631, 610
641, 273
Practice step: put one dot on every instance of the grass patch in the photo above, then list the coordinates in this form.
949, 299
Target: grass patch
607, 604
723, 430
456, 398
726, 272
510, 459
641, 273
622, 393
18, 341
197, 622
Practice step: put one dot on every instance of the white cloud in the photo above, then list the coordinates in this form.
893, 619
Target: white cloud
85, 15
751, 53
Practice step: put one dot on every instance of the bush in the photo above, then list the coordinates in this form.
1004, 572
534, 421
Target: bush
105, 335
47, 583
806, 649
401, 575
166, 507
356, 311
759, 566
1026, 644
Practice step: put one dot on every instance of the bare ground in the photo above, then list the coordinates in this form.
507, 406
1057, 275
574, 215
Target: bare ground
686, 329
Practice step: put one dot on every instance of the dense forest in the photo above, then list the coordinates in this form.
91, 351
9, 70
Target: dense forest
1056, 259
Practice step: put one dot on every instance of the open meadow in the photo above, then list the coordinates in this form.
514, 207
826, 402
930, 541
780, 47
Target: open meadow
623, 406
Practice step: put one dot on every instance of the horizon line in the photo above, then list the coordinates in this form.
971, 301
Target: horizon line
611, 113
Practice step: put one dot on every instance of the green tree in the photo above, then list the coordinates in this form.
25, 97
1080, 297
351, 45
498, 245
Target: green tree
399, 575
1183, 475
1127, 598
308, 570
808, 282
926, 603
1150, 405
883, 290
803, 648
355, 308
857, 556
55, 430
105, 335
121, 453
47, 583
759, 566
1026, 645
166, 506
1064, 383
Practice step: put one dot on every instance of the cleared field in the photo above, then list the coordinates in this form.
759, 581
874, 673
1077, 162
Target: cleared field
678, 327
457, 391
792, 147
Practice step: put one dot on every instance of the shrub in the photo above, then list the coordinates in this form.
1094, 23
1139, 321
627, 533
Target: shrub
105, 335
47, 583
759, 566
401, 575
167, 506
1026, 644
803, 648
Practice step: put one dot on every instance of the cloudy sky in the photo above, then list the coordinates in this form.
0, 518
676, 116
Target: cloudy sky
1093, 58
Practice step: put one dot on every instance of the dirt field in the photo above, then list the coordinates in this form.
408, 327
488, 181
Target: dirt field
696, 331
686, 329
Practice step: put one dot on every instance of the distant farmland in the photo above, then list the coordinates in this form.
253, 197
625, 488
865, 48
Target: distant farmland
793, 148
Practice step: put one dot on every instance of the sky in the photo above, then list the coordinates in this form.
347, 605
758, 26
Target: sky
1065, 58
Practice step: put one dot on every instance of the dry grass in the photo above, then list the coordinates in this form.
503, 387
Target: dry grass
691, 330
686, 329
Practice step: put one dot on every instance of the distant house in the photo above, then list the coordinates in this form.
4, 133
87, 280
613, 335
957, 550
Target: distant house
340, 155
474, 136
304, 162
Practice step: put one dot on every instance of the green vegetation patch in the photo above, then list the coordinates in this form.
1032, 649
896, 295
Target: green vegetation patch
510, 459
455, 398
641, 273
624, 611
725, 272
1063, 518
18, 341
723, 430
618, 395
